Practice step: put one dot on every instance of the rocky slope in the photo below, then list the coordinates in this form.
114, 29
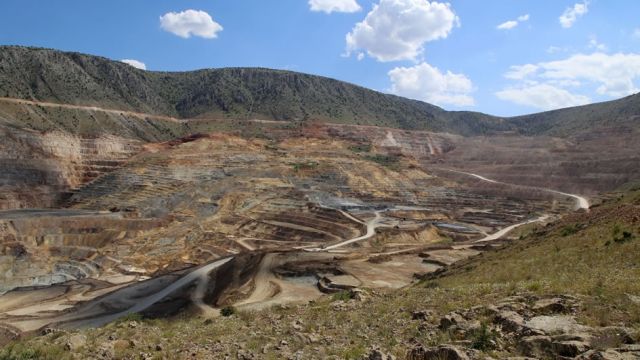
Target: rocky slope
246, 93
237, 93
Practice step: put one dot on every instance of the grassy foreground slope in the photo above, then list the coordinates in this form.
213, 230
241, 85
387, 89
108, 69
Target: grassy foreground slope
591, 257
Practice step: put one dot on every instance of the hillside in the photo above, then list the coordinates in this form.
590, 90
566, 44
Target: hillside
238, 93
622, 114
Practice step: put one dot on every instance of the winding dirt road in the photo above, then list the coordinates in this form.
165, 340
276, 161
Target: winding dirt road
505, 231
372, 225
581, 202
80, 320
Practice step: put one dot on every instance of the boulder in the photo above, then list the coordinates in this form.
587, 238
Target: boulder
606, 355
450, 320
612, 336
510, 321
376, 354
443, 352
551, 306
556, 324
422, 315
535, 346
571, 348
75, 342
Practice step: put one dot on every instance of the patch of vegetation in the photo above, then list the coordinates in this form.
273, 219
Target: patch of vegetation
568, 230
228, 311
484, 339
344, 295
302, 166
361, 148
21, 351
621, 235
131, 317
389, 161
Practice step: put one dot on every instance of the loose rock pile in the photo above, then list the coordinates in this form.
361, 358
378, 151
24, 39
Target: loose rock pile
530, 326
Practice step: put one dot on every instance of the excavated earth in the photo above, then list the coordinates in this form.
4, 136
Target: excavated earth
95, 227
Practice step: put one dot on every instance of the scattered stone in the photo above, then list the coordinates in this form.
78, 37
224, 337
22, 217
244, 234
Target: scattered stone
75, 342
556, 324
450, 320
443, 352
536, 346
376, 354
551, 306
297, 325
422, 315
510, 321
605, 355
358, 294
570, 348
634, 299
634, 348
120, 345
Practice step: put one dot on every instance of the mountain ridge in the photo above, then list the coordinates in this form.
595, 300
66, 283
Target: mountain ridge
39, 74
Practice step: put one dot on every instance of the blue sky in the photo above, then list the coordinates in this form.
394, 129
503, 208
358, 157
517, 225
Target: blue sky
504, 57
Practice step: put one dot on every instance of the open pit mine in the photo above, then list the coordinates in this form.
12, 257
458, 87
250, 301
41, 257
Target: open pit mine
96, 228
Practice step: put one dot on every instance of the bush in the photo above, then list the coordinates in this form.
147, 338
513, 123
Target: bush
621, 236
228, 311
390, 161
342, 295
483, 339
309, 165
568, 230
360, 148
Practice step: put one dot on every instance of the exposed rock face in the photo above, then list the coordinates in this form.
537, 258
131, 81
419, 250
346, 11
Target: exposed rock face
516, 326
436, 353
40, 168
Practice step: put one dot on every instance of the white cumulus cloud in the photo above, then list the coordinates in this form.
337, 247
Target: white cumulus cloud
519, 72
398, 29
542, 96
427, 83
612, 75
507, 25
190, 23
329, 6
135, 63
571, 14
595, 44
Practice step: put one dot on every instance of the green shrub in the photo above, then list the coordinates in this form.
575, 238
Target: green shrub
228, 311
620, 235
360, 148
342, 295
568, 230
483, 339
19, 351
309, 165
389, 161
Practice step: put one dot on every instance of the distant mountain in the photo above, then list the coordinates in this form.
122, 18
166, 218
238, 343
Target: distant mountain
621, 113
72, 78
247, 93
